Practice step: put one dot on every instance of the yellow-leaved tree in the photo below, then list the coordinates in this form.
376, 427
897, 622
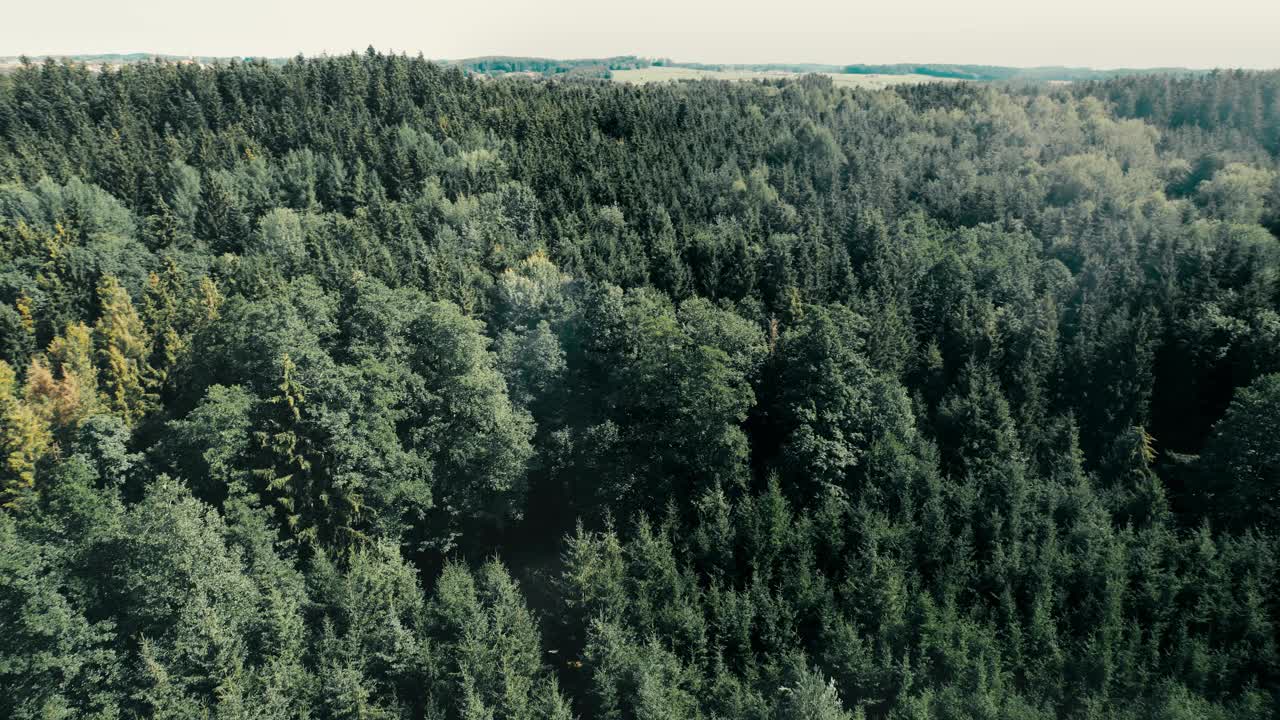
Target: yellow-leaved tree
123, 346
24, 439
63, 389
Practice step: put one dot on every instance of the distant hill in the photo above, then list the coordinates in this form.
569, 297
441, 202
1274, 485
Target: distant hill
500, 64
997, 72
497, 65
947, 71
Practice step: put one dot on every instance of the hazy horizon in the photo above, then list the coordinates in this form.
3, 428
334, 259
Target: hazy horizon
644, 56
1089, 33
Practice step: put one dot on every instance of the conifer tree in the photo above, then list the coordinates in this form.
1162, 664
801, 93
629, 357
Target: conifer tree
161, 313
291, 475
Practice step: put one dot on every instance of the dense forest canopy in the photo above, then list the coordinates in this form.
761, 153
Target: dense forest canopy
359, 387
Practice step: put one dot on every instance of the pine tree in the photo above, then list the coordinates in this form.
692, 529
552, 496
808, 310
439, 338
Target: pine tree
160, 311
291, 474
812, 697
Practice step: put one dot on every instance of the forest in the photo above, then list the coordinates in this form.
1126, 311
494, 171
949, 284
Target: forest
362, 387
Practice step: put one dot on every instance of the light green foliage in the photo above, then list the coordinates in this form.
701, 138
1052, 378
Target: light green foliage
373, 642
56, 662
635, 678
812, 699
532, 291
1236, 193
533, 363
280, 240
490, 647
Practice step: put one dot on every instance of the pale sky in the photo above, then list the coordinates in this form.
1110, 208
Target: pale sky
1095, 33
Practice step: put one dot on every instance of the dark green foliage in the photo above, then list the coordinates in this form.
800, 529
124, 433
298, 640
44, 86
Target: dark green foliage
775, 400
1242, 459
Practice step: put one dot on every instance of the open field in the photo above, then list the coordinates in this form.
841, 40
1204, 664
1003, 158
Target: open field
663, 74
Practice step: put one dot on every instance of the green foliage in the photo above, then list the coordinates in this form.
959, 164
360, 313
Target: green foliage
490, 647
1242, 459
361, 387
463, 421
